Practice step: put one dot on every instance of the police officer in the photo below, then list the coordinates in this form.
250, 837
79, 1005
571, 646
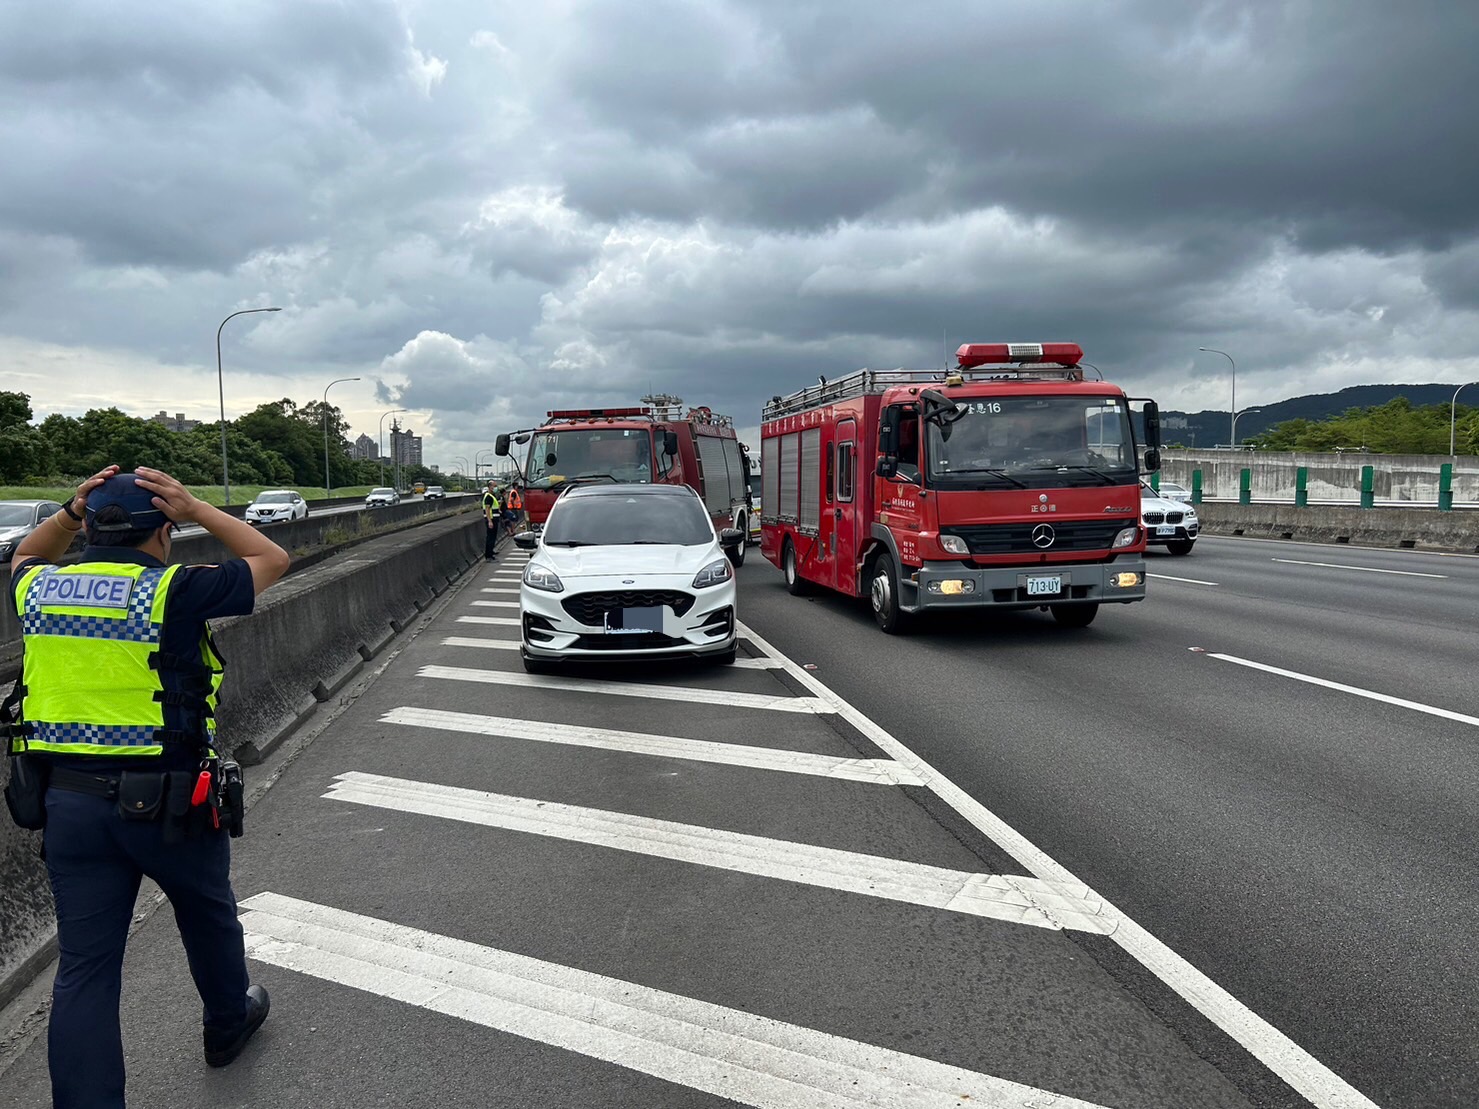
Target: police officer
120, 681
492, 513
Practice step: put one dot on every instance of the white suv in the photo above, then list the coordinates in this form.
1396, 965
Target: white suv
1170, 524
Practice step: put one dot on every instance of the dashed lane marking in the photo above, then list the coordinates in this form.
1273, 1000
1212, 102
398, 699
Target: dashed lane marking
1314, 1081
1018, 900
502, 621
1189, 581
687, 694
1400, 702
503, 592
876, 771
1363, 569
745, 1057
495, 604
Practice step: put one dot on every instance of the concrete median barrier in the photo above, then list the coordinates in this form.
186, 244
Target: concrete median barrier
308, 638
1401, 528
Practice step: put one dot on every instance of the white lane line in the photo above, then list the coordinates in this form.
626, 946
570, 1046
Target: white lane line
1363, 569
492, 644
757, 664
1415, 706
744, 1057
495, 604
505, 621
1316, 1082
1014, 899
1189, 581
876, 771
503, 592
625, 689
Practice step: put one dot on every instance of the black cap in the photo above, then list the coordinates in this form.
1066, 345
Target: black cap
125, 491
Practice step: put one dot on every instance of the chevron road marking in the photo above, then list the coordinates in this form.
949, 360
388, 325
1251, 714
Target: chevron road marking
742, 1056
502, 621
997, 897
687, 694
877, 771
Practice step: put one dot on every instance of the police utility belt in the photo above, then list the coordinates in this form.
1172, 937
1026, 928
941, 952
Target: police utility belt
191, 803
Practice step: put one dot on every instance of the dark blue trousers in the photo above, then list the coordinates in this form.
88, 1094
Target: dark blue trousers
96, 860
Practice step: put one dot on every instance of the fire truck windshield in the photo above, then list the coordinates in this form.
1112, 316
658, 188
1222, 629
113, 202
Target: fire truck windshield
622, 454
1033, 442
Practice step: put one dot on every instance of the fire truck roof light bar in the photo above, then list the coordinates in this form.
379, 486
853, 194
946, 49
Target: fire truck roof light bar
984, 354
665, 413
597, 413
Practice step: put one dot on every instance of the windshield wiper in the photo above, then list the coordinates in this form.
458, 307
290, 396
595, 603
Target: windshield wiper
1100, 474
994, 473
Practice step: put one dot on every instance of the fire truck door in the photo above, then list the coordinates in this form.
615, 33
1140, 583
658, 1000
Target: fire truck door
842, 511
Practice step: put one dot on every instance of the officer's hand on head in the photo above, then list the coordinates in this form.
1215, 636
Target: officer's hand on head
79, 502
170, 497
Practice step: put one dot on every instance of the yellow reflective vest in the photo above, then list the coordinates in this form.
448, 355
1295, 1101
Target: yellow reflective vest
92, 671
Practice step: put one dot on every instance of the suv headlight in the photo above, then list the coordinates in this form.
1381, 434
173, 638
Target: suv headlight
954, 544
715, 573
537, 577
1126, 538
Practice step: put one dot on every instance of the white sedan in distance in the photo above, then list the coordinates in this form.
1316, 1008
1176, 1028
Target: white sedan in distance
273, 505
628, 572
382, 497
1172, 492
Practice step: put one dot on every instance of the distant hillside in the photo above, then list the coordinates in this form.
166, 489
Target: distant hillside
1207, 429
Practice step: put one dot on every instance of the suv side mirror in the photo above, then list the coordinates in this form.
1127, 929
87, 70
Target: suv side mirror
500, 445
525, 540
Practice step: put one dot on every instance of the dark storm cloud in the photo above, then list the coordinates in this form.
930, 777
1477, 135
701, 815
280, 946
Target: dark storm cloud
499, 208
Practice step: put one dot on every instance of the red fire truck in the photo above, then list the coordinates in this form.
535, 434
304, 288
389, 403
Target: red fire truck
1008, 482
654, 442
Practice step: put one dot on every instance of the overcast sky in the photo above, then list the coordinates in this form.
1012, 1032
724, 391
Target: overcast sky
486, 209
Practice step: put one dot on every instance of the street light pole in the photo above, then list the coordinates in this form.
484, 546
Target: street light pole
1453, 420
382, 439
328, 485
1214, 350
1244, 412
477, 462
465, 465
221, 388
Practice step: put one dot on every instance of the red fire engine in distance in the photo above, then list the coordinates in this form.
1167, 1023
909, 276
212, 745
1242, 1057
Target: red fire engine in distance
1007, 482
654, 442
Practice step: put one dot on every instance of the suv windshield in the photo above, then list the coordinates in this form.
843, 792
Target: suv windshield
14, 515
622, 453
274, 498
1035, 442
614, 519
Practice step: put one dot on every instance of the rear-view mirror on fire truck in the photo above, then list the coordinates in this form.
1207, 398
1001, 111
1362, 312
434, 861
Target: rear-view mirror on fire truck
1152, 460
670, 444
500, 446
1152, 424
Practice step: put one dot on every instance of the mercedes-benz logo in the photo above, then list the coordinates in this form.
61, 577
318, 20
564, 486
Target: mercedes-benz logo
1043, 535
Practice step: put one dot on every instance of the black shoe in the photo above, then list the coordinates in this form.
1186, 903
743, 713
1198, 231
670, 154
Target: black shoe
221, 1049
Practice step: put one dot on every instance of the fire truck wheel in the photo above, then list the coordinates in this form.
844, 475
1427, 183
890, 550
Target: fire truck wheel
737, 554
1075, 616
796, 585
883, 596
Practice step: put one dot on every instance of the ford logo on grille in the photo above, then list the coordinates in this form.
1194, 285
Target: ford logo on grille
1043, 535
628, 581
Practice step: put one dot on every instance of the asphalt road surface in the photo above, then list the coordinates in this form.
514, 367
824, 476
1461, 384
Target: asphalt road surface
1215, 850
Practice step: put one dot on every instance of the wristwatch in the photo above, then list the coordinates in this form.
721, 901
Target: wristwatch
67, 508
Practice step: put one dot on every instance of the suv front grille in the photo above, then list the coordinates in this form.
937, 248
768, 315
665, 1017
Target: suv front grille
591, 608
1068, 535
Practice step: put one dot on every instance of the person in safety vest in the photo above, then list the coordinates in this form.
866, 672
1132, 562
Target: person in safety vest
118, 692
515, 504
493, 514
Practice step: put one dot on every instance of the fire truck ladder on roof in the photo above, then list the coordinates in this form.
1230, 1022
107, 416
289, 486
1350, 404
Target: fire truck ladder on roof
872, 382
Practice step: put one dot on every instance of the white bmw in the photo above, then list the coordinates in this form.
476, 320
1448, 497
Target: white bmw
629, 572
